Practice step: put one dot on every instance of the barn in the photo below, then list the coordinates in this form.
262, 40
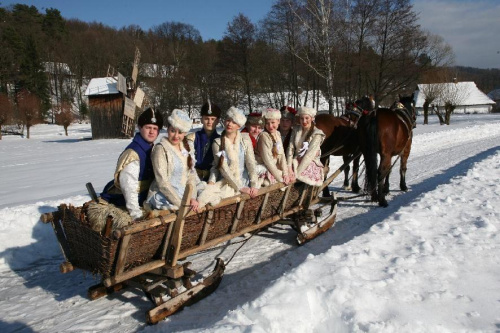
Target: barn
106, 108
470, 99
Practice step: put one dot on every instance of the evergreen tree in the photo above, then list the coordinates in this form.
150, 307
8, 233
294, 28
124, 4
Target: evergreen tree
32, 76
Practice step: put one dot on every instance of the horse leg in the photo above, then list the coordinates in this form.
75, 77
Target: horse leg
326, 163
386, 184
402, 168
383, 173
346, 173
355, 169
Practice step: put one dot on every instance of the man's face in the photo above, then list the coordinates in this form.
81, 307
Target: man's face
149, 132
286, 124
209, 122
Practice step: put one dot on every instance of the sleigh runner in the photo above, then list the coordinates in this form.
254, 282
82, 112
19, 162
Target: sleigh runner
146, 254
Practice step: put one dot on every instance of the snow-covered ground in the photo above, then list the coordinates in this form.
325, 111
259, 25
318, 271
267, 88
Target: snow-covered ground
430, 262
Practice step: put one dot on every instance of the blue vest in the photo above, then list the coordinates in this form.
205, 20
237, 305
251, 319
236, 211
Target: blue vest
203, 149
143, 149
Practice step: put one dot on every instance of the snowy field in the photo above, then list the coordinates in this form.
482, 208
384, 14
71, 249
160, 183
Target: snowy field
430, 262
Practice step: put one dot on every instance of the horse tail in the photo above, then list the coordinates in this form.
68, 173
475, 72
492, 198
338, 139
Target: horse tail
371, 150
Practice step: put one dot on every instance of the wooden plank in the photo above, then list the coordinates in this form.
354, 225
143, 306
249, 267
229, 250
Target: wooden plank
206, 226
143, 225
122, 255
227, 237
111, 281
237, 216
262, 207
166, 240
285, 199
175, 243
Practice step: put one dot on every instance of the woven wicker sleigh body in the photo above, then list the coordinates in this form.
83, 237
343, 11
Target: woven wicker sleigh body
148, 251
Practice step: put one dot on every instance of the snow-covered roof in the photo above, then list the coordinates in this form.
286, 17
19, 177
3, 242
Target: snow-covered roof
470, 92
494, 94
102, 86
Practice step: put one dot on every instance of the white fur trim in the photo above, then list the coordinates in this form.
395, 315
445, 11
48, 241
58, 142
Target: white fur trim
306, 110
271, 113
179, 119
237, 116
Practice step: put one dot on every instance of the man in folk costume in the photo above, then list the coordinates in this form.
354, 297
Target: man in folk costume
233, 170
134, 170
286, 125
201, 140
173, 164
254, 126
304, 151
270, 153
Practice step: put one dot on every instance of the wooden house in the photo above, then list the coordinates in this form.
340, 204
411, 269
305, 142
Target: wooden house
105, 108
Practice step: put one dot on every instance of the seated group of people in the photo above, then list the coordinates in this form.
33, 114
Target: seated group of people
268, 150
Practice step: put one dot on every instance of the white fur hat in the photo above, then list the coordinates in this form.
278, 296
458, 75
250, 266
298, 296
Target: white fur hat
179, 119
271, 113
237, 116
309, 111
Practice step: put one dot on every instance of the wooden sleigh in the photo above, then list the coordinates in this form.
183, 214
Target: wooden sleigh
147, 254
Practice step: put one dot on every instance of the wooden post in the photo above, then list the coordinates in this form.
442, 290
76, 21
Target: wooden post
237, 216
208, 221
176, 240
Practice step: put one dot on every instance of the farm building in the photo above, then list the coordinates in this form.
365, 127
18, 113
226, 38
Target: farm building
468, 97
107, 102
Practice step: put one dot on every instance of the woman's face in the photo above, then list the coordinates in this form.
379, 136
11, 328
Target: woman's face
175, 136
272, 125
231, 126
305, 121
254, 130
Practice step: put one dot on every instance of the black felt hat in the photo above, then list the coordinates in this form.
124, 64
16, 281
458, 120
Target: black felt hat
150, 116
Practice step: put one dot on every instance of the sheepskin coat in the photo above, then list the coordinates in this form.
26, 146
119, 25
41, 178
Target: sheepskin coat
172, 173
276, 166
300, 158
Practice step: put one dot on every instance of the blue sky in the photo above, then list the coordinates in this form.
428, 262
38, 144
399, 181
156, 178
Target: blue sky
472, 28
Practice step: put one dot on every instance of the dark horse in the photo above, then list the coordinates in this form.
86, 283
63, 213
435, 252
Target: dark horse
340, 140
387, 132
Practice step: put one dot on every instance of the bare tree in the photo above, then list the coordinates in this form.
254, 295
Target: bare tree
30, 110
317, 23
64, 117
6, 111
452, 95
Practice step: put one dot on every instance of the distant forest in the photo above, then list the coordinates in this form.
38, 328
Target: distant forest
360, 47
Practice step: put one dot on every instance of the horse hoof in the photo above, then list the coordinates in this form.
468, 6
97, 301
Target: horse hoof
404, 188
383, 203
347, 188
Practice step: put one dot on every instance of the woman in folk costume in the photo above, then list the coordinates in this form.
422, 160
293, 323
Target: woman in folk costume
286, 125
254, 126
233, 171
270, 152
304, 150
173, 164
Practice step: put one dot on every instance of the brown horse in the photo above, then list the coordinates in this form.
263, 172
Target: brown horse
340, 140
387, 132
